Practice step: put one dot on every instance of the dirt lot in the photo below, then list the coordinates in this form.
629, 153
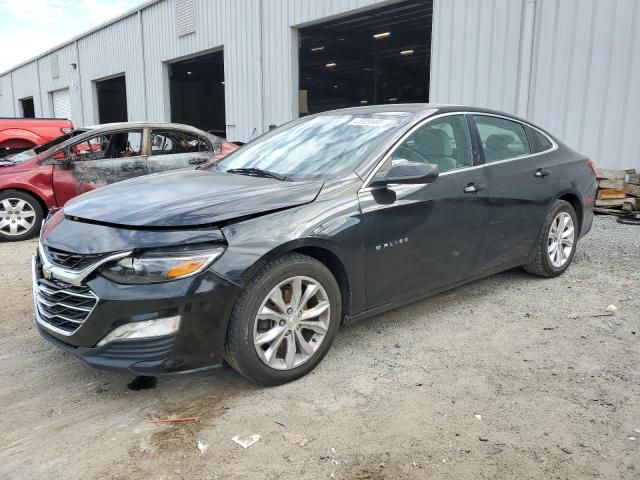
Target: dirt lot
512, 376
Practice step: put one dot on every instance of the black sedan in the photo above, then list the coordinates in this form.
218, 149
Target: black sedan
329, 219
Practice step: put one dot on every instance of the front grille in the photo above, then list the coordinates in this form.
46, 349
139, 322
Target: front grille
72, 261
63, 306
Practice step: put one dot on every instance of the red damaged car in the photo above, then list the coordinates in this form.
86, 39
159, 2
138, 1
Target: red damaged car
46, 177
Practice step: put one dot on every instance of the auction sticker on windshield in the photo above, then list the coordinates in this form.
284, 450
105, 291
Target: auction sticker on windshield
371, 122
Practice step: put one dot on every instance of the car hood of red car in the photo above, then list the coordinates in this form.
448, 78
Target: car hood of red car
188, 198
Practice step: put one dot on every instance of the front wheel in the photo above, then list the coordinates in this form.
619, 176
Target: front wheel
284, 321
557, 243
20, 215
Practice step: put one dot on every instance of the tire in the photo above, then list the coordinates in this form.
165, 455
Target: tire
20, 215
246, 327
550, 262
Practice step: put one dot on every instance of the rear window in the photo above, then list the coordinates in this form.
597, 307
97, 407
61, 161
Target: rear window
537, 141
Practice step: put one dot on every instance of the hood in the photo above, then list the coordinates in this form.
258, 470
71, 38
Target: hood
188, 198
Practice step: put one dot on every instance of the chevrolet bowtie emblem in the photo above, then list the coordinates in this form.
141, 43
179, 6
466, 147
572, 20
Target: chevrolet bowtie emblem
46, 273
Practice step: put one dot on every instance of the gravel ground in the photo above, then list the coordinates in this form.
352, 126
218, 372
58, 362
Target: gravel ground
508, 377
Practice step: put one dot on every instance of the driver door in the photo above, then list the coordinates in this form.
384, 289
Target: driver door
421, 238
97, 161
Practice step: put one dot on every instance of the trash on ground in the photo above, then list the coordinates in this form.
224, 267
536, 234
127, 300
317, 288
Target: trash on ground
202, 446
611, 308
566, 450
283, 422
172, 420
295, 438
246, 442
478, 416
483, 439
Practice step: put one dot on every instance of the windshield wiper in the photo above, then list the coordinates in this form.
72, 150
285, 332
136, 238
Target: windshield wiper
257, 172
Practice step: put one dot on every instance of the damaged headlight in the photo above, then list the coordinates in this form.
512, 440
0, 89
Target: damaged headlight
156, 266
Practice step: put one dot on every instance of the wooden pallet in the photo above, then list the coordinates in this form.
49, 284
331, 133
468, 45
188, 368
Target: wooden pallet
618, 193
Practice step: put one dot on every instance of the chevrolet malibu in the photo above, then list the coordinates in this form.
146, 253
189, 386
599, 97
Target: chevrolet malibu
259, 258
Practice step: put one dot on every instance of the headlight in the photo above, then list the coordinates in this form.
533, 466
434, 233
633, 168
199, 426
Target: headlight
155, 266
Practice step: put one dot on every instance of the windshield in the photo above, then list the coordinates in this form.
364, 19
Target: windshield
32, 152
315, 147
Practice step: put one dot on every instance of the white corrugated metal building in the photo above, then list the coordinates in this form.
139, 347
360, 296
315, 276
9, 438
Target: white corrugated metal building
571, 66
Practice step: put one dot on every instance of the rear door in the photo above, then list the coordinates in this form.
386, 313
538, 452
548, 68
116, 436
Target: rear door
422, 237
520, 186
97, 161
173, 149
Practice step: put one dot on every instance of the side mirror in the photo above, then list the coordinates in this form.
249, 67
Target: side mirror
407, 173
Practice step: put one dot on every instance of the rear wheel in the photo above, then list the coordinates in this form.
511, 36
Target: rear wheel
284, 321
20, 215
557, 243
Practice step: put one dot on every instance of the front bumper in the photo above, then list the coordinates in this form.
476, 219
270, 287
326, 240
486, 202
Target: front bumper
203, 302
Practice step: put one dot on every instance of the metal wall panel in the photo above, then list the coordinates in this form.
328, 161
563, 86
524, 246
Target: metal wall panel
110, 52
25, 84
577, 80
68, 78
586, 69
6, 96
475, 52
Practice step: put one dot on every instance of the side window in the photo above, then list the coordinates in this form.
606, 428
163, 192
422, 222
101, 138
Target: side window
132, 144
167, 142
501, 139
94, 148
116, 145
444, 142
537, 141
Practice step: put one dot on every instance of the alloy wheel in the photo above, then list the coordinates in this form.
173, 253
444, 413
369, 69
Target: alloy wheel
561, 239
291, 323
17, 216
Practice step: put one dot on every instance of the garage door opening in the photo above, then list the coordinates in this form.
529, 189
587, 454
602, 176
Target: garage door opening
197, 92
112, 100
374, 57
27, 107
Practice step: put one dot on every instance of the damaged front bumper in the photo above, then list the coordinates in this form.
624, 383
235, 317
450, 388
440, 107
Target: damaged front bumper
76, 318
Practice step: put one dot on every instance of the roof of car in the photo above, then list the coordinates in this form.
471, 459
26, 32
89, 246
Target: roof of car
411, 108
107, 127
424, 108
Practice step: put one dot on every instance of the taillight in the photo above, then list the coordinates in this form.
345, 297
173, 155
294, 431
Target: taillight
593, 167
66, 130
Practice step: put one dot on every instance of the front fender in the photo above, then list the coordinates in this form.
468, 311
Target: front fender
332, 224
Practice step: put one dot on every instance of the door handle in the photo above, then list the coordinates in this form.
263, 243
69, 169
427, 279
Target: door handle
541, 172
474, 188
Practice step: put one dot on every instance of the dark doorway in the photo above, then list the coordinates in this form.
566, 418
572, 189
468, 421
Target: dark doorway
112, 100
28, 109
197, 92
374, 57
